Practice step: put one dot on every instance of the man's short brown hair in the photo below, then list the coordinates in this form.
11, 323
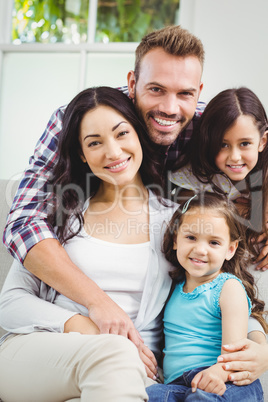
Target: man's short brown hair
174, 40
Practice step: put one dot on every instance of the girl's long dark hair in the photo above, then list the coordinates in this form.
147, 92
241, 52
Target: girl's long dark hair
239, 263
73, 182
206, 142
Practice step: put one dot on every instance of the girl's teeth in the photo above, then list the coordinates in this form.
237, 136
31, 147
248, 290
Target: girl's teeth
165, 122
236, 166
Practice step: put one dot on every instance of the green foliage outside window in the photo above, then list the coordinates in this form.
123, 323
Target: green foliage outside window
50, 21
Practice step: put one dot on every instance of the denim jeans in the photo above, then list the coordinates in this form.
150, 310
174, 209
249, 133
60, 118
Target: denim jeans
180, 390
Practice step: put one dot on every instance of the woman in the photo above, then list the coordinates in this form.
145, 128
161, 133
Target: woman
111, 226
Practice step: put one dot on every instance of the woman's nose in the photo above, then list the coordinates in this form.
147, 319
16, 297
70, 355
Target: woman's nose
113, 150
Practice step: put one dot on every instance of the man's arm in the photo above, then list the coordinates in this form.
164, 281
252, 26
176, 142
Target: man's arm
26, 223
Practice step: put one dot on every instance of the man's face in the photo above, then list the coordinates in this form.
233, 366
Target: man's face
166, 93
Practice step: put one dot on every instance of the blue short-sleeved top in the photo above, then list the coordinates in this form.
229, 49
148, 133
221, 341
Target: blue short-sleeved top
192, 327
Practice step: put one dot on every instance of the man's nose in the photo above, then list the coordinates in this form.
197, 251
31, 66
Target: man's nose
169, 105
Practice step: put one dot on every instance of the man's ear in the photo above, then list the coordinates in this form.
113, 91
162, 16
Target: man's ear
200, 89
263, 141
131, 81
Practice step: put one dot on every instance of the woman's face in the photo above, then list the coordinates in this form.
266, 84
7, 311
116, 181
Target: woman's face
110, 146
240, 148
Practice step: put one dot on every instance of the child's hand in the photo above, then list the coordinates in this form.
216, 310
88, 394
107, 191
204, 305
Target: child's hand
211, 380
149, 361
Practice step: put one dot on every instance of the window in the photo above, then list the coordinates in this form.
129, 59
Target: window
81, 21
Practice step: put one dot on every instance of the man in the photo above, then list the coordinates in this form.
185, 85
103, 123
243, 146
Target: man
165, 87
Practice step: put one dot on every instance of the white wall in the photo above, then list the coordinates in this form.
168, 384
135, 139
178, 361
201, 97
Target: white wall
235, 37
34, 84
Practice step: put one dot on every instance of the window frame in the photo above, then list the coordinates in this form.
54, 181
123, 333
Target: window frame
6, 46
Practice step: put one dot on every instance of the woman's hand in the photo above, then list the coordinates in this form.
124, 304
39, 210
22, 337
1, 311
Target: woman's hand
84, 325
149, 361
247, 359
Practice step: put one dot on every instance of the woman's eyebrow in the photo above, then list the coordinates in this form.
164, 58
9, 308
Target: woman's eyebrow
121, 122
91, 135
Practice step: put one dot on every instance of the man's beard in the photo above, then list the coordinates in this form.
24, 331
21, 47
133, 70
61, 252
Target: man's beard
156, 136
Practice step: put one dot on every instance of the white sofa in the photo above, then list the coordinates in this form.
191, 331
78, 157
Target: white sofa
7, 190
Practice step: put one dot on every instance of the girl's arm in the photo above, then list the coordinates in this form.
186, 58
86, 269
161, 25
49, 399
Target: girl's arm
234, 311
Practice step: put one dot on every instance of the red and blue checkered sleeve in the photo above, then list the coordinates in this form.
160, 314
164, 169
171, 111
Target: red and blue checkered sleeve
27, 220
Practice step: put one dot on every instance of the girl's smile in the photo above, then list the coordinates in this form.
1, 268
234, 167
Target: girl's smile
203, 244
240, 148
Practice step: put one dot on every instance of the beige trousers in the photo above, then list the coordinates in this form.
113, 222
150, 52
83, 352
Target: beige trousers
53, 367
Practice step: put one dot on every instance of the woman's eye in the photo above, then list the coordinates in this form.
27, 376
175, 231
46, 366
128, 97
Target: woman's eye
224, 145
122, 133
93, 143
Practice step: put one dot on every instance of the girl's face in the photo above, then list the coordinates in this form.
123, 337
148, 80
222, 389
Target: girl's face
203, 244
240, 148
110, 146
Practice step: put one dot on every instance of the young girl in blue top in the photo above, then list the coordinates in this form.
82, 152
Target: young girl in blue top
228, 153
213, 295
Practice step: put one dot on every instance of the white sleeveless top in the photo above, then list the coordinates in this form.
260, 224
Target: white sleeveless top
107, 267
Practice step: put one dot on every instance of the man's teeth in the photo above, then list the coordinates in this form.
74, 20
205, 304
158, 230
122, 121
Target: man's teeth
165, 122
119, 165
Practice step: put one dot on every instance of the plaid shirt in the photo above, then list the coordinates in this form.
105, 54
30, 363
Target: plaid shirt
27, 220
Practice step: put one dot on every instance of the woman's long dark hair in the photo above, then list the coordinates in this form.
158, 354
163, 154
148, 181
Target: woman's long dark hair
237, 265
219, 116
72, 181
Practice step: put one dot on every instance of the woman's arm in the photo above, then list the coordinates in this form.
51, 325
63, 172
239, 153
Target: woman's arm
23, 305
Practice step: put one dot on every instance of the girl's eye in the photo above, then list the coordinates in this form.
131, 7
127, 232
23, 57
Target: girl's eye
214, 243
190, 237
224, 145
245, 144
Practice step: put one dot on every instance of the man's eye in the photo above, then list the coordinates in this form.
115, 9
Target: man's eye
155, 89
